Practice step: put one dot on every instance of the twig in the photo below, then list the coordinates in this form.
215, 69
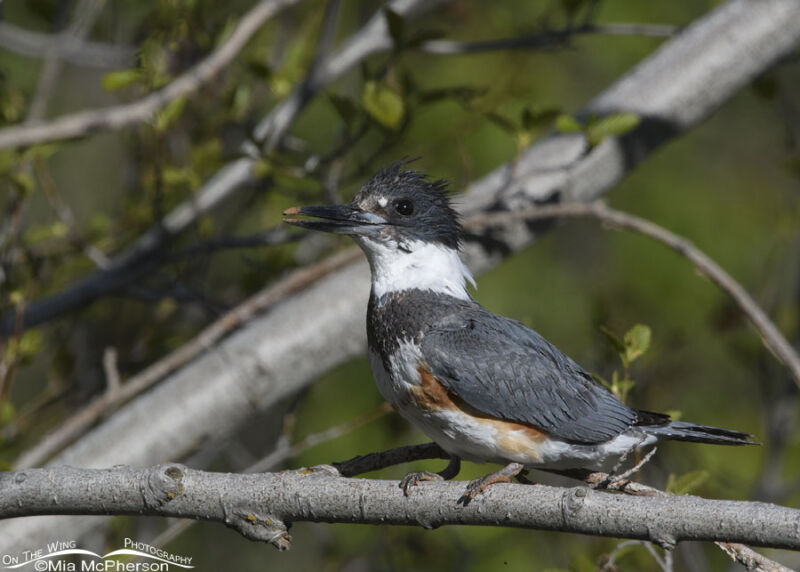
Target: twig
608, 560
83, 18
286, 451
372, 38
548, 39
82, 123
636, 468
376, 461
271, 237
770, 335
110, 368
283, 451
76, 52
103, 404
751, 559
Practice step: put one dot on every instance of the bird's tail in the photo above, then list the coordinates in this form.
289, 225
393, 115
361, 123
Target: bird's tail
681, 431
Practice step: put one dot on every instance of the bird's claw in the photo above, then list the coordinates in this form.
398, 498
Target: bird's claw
413, 479
477, 486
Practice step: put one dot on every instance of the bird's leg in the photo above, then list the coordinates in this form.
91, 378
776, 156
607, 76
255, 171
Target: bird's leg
412, 479
504, 475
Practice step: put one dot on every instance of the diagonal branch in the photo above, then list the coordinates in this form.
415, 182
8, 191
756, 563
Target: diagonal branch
139, 257
260, 506
144, 109
773, 339
549, 39
74, 51
102, 405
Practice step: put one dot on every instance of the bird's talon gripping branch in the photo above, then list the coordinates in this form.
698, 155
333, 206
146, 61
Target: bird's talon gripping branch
477, 486
413, 479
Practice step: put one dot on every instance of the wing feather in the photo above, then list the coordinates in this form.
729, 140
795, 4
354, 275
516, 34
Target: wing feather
503, 368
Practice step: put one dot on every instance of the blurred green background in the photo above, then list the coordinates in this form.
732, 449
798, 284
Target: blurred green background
730, 186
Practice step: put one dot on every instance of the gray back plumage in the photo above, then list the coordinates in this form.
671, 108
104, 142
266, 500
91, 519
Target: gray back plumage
499, 366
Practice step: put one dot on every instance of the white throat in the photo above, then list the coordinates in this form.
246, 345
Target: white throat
422, 265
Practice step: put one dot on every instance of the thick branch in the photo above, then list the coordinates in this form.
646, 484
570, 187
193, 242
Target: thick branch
260, 506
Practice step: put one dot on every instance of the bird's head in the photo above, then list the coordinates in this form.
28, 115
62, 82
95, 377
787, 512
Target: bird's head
398, 208
405, 224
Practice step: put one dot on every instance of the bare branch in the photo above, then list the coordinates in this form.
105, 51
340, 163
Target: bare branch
138, 258
144, 109
83, 19
108, 401
259, 506
751, 559
549, 39
773, 339
373, 38
74, 51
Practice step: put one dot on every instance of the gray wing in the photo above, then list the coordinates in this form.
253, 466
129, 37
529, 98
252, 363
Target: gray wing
506, 370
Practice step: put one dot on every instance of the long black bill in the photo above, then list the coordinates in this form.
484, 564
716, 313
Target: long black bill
341, 219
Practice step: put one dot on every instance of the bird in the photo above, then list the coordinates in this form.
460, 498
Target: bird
484, 387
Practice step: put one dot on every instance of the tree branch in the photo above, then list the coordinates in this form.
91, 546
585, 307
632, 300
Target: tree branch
144, 109
261, 506
549, 39
75, 51
773, 339
102, 405
137, 259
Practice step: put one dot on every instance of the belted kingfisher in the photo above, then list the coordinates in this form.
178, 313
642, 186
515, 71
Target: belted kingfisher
484, 387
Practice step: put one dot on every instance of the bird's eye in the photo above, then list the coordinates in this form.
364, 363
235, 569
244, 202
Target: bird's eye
404, 207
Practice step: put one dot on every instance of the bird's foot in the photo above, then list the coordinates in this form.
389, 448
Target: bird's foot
413, 479
477, 486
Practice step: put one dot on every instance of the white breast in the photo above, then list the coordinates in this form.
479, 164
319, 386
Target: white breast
416, 265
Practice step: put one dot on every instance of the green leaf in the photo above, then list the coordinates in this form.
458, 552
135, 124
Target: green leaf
568, 124
23, 181
382, 104
610, 126
30, 344
535, 119
117, 80
397, 26
601, 380
169, 114
637, 341
614, 339
687, 482
461, 94
177, 178
7, 412
505, 124
345, 107
262, 168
